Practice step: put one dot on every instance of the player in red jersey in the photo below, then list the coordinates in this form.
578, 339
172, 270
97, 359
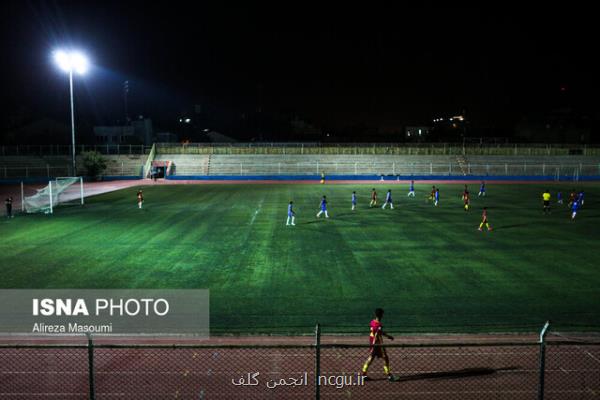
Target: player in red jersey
377, 350
572, 197
484, 220
466, 198
373, 198
432, 195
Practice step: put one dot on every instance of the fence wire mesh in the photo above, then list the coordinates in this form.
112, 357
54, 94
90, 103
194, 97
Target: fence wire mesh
422, 371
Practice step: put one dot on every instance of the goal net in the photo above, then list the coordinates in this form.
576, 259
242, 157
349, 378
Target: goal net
67, 190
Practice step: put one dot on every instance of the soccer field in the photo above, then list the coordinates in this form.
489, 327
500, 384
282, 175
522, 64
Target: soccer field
427, 266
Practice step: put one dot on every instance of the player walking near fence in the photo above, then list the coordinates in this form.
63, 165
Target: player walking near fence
353, 201
291, 216
322, 178
411, 190
484, 221
323, 208
140, 198
373, 198
481, 189
8, 203
376, 349
388, 200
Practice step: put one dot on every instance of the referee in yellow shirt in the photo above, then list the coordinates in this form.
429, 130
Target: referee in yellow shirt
546, 197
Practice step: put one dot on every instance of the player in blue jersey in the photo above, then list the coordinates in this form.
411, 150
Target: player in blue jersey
436, 197
388, 200
481, 189
323, 208
291, 215
559, 198
411, 190
580, 198
353, 201
574, 208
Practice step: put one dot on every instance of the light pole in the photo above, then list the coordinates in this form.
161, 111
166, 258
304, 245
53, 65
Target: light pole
69, 61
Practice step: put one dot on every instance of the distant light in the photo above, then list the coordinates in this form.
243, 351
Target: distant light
187, 120
71, 61
180, 119
206, 130
419, 132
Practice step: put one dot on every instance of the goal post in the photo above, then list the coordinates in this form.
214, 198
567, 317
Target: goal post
60, 191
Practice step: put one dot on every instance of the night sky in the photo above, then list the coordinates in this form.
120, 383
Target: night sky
334, 66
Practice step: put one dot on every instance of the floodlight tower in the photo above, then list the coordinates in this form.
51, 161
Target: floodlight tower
70, 61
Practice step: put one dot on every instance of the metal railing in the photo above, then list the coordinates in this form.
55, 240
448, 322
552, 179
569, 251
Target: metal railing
559, 171
380, 148
521, 369
65, 150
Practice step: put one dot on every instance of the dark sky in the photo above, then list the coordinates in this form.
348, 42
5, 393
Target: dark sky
334, 65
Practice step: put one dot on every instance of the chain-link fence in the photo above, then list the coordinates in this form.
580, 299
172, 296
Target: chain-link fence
433, 370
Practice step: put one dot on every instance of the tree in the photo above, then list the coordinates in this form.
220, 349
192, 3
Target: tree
94, 163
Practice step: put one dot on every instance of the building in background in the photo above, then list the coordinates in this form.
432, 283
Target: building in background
139, 132
417, 133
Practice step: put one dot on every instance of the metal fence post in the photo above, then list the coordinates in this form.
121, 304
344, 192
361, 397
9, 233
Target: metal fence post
317, 361
91, 367
542, 343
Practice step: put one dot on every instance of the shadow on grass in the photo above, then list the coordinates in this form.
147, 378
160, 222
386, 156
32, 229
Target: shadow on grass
456, 374
510, 226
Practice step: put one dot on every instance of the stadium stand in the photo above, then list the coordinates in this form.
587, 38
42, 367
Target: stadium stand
121, 165
186, 164
33, 166
192, 160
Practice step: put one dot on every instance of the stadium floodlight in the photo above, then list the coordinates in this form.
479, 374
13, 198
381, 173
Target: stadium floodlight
70, 61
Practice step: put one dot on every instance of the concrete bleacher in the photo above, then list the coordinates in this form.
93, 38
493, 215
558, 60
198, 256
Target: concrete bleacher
314, 164
120, 165
329, 164
186, 164
533, 165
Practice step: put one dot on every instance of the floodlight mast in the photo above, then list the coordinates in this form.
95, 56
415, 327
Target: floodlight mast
69, 61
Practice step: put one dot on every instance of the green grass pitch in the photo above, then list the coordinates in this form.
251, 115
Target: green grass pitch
427, 266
